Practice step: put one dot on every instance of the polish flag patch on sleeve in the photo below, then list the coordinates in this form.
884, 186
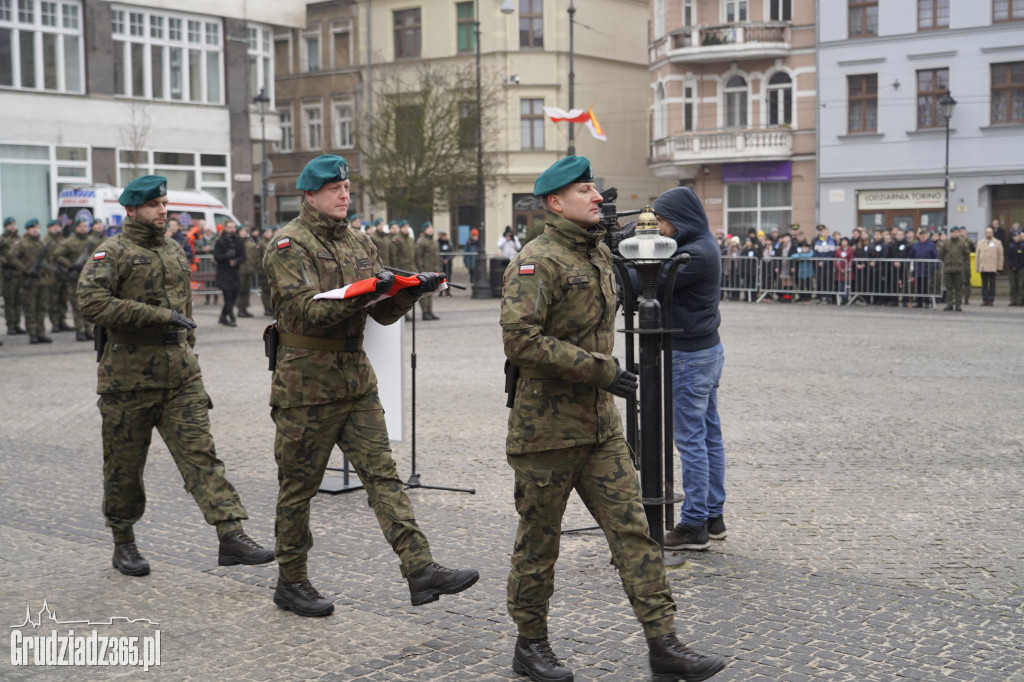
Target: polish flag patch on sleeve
99, 255
284, 243
527, 269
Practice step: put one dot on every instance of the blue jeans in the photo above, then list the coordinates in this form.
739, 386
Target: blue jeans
698, 432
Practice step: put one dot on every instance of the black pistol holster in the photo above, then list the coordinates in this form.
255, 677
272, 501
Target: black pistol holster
511, 380
270, 340
99, 341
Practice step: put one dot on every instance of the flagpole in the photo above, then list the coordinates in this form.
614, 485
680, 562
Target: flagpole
572, 78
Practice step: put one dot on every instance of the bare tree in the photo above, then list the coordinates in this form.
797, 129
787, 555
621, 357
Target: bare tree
134, 135
420, 151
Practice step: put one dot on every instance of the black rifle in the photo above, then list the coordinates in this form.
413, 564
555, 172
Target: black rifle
34, 270
79, 263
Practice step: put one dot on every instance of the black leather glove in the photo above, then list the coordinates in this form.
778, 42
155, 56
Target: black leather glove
429, 281
624, 384
385, 280
179, 320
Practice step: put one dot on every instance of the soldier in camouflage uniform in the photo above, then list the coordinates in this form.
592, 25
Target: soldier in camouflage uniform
324, 391
261, 248
428, 259
77, 249
12, 285
246, 270
403, 249
955, 254
565, 433
382, 240
31, 258
137, 287
58, 304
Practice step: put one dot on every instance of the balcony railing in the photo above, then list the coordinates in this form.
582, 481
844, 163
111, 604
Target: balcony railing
725, 41
724, 146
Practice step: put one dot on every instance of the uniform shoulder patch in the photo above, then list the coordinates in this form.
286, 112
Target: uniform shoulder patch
527, 269
284, 243
99, 255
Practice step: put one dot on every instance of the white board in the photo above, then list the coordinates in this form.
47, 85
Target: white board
384, 348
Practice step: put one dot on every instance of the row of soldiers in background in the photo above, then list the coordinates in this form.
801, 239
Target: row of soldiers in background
40, 277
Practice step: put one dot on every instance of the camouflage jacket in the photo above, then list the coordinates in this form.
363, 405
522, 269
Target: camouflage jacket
258, 253
310, 255
24, 258
7, 243
428, 257
557, 315
383, 243
403, 253
249, 265
955, 255
132, 284
74, 248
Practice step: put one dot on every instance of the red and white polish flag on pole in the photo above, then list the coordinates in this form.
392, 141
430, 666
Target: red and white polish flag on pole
578, 116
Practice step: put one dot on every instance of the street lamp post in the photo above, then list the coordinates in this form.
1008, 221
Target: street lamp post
262, 102
947, 104
572, 77
481, 282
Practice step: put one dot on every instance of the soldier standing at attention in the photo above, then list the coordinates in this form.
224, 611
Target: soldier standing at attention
58, 305
137, 287
565, 433
956, 267
77, 249
324, 391
31, 259
428, 259
247, 270
12, 281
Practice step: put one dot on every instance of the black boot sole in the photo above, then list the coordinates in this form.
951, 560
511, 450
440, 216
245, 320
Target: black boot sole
137, 573
428, 596
288, 606
523, 670
693, 677
226, 560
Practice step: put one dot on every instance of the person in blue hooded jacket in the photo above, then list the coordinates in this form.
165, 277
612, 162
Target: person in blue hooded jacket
697, 360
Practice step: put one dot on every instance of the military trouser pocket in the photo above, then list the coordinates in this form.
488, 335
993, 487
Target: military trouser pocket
293, 449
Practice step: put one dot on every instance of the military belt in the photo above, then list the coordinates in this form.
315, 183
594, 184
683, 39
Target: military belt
157, 339
349, 344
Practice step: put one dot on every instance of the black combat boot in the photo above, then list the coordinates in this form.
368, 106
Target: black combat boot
42, 338
433, 580
89, 335
80, 336
671, 661
238, 548
244, 313
128, 560
534, 657
33, 338
64, 327
302, 599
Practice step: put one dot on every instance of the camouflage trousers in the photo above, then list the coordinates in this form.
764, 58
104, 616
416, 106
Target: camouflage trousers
58, 305
265, 292
181, 416
305, 437
76, 309
427, 304
604, 477
954, 281
13, 299
37, 302
242, 302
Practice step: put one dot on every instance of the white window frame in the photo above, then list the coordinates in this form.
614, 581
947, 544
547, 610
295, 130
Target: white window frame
534, 118
689, 100
758, 208
739, 7
185, 32
63, 172
286, 145
307, 126
727, 94
221, 188
338, 121
27, 23
304, 38
769, 88
689, 13
342, 27
782, 5
261, 54
660, 112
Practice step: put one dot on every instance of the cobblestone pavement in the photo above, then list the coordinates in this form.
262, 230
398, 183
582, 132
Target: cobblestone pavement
875, 515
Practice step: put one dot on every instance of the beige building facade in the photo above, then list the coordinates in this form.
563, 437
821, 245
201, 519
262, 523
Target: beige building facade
733, 93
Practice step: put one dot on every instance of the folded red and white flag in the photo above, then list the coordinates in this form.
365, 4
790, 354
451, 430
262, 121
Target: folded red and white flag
368, 285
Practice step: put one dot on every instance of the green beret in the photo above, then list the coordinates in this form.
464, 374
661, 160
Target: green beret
8, 220
378, 221
31, 222
403, 222
52, 223
425, 225
142, 189
563, 172
320, 171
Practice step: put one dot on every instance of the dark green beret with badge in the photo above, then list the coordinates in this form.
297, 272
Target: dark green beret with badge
566, 171
142, 189
52, 223
31, 222
8, 220
320, 171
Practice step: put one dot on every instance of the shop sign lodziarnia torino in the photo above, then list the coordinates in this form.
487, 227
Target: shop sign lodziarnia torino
881, 199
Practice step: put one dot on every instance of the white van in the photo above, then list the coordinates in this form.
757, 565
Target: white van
100, 202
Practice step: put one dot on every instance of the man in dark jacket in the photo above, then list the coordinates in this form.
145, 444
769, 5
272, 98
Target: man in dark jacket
229, 253
697, 359
923, 250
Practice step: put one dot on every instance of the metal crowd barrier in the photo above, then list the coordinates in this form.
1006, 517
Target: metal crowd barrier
862, 281
204, 274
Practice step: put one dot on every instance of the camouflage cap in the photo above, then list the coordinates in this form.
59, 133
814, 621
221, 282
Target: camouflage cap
142, 189
563, 172
31, 222
8, 220
321, 170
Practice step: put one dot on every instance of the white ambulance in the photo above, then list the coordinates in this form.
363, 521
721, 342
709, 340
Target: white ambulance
100, 202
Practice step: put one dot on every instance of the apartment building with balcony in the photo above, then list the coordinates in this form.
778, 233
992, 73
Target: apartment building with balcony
100, 92
885, 69
733, 97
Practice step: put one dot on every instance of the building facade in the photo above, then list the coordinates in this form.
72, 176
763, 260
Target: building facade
733, 108
101, 92
884, 71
